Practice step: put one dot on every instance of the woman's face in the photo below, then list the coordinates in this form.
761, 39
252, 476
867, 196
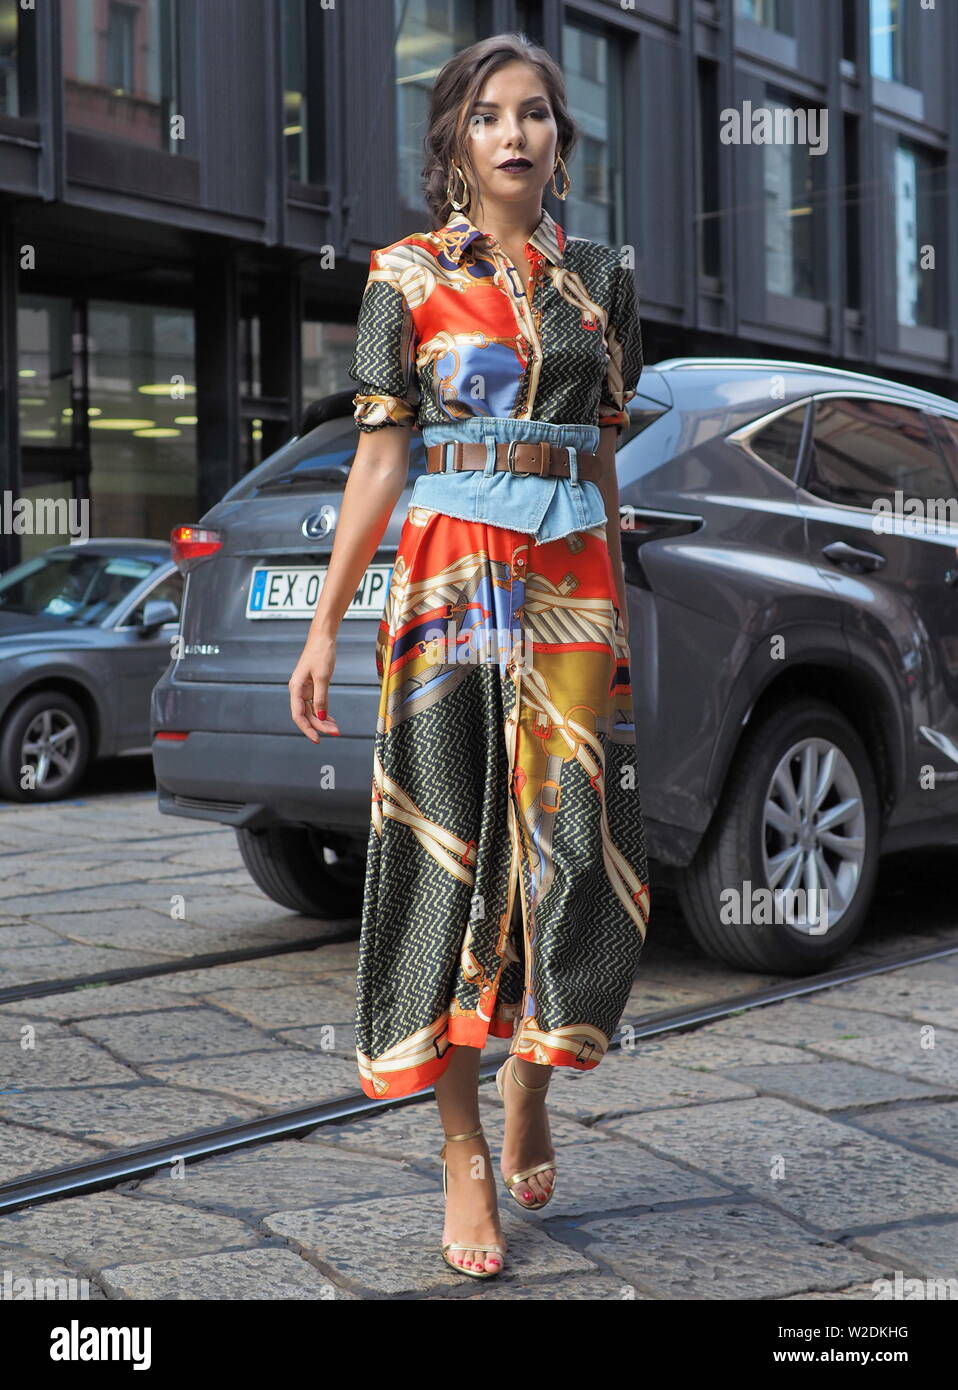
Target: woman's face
512, 119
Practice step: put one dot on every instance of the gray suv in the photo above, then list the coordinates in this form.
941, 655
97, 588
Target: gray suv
791, 553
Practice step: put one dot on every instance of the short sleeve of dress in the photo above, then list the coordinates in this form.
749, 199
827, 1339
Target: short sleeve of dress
624, 340
384, 357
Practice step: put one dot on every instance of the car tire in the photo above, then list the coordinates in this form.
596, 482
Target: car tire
44, 714
751, 827
297, 868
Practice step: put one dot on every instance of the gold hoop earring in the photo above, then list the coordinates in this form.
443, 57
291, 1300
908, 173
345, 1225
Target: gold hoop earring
465, 194
565, 174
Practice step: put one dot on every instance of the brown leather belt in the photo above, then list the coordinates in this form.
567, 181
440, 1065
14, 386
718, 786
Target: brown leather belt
516, 456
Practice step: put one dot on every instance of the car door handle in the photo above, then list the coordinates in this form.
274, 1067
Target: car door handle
841, 553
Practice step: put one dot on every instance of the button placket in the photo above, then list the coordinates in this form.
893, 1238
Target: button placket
532, 360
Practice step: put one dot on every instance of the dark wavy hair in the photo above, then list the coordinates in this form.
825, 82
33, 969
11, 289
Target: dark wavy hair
458, 85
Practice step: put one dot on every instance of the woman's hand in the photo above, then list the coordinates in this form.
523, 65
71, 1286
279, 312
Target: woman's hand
374, 486
309, 687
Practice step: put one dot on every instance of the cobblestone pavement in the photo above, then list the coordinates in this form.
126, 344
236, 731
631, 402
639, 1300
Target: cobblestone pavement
802, 1150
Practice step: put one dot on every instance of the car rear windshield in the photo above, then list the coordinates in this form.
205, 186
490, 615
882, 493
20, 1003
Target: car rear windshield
319, 460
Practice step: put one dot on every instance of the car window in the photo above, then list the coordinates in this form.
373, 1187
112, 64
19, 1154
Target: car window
171, 588
639, 419
78, 586
777, 443
865, 449
948, 438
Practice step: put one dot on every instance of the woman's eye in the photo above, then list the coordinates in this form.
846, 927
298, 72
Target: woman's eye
484, 116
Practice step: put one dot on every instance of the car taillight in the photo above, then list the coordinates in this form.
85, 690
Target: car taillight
190, 543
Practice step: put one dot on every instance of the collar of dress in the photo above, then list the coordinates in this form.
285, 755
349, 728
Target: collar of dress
459, 232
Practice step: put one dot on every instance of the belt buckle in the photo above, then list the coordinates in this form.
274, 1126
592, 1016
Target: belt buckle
539, 444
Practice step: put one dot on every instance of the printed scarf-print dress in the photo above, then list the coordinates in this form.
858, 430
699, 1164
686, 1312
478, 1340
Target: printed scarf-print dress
506, 885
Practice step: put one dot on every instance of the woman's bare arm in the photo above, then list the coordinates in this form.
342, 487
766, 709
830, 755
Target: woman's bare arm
374, 486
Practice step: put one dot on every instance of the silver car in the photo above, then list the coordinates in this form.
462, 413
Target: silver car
85, 633
794, 665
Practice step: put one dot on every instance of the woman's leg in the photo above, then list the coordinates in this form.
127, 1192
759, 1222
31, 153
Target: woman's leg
527, 1140
471, 1209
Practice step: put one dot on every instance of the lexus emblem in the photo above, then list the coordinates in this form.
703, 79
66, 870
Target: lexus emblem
319, 524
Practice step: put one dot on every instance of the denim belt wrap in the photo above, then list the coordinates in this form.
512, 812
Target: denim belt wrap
546, 508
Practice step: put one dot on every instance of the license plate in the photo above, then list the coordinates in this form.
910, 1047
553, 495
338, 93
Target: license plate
294, 593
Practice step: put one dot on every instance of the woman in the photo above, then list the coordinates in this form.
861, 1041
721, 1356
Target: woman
506, 887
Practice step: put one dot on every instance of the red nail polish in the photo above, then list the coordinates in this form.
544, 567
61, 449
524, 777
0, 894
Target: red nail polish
320, 714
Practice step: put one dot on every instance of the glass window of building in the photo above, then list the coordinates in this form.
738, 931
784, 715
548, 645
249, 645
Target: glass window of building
595, 207
120, 75
51, 457
707, 222
327, 349
853, 204
773, 14
304, 29
429, 32
887, 40
10, 96
919, 210
850, 30
142, 393
529, 20
45, 371
795, 230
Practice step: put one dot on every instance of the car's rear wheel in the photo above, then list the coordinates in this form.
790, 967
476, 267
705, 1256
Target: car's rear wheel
799, 813
45, 739
301, 869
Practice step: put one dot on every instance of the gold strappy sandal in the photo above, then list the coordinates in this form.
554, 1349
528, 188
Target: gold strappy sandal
538, 1167
460, 1245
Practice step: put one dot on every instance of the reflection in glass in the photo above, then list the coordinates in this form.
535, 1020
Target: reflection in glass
594, 208
794, 214
868, 449
327, 349
120, 73
295, 102
430, 32
777, 444
853, 201
9, 48
44, 371
886, 38
79, 588
773, 14
919, 205
142, 419
708, 246
304, 33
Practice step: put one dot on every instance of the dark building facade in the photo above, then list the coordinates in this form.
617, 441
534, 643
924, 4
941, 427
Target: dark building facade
190, 190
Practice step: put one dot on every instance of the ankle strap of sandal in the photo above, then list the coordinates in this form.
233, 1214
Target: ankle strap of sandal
473, 1133
524, 1084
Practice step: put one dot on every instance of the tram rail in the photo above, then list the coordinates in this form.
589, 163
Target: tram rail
141, 1162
